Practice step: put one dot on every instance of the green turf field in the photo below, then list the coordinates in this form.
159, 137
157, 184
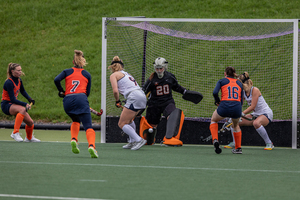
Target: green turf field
49, 170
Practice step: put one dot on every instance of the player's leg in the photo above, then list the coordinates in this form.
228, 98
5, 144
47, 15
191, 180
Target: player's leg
136, 101
152, 119
175, 119
29, 129
213, 127
237, 134
86, 120
75, 128
259, 124
18, 111
125, 119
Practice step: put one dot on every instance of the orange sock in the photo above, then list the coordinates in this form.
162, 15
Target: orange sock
91, 137
238, 139
18, 122
214, 131
75, 127
29, 130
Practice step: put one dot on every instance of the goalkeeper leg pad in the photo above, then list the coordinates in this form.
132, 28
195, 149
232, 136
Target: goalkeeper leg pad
145, 133
172, 142
174, 124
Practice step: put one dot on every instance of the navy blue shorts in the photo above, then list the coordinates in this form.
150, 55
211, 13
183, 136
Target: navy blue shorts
230, 109
5, 106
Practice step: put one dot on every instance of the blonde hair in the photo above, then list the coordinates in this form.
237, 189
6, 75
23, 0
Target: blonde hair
79, 60
246, 81
116, 64
12, 66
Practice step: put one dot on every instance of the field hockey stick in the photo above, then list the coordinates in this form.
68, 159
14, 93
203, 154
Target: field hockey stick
219, 131
246, 118
30, 106
96, 112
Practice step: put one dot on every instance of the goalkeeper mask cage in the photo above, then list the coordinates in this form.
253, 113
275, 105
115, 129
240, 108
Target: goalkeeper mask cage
160, 63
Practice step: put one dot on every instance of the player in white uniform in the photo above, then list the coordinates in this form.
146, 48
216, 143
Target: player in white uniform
123, 83
261, 112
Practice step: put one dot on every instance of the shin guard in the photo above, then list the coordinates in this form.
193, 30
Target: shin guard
145, 133
174, 124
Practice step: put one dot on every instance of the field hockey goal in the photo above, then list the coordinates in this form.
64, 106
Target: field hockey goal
199, 50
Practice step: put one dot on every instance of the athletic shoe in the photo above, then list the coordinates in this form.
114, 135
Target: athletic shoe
138, 145
231, 145
75, 148
33, 139
237, 151
269, 146
217, 148
93, 152
16, 136
129, 145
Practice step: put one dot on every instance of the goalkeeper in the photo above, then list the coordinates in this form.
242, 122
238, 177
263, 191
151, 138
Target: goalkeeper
261, 114
160, 102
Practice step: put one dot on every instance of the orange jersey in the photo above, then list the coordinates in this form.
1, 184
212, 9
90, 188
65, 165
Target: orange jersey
231, 91
5, 95
76, 82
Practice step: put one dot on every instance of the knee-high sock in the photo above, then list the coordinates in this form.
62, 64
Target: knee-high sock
75, 127
131, 133
263, 133
132, 124
238, 139
213, 127
91, 137
231, 129
29, 130
18, 122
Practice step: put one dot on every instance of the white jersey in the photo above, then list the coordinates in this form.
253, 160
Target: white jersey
261, 108
127, 84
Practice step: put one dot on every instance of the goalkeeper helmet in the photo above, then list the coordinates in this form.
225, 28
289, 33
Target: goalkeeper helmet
160, 66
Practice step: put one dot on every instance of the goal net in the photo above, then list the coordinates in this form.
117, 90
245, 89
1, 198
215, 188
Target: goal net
198, 51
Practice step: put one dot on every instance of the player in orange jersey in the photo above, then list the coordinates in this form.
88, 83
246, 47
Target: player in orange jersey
258, 110
230, 105
10, 105
76, 104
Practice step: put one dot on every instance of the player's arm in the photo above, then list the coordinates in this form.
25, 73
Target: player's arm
255, 94
114, 84
58, 79
25, 94
147, 86
87, 75
216, 93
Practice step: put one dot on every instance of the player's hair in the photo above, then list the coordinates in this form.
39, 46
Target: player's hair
230, 71
116, 64
245, 79
79, 60
12, 66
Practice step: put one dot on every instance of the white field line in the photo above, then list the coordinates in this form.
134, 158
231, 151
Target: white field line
44, 197
153, 167
93, 180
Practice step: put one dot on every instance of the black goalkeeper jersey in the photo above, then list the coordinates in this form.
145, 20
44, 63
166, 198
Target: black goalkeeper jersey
161, 89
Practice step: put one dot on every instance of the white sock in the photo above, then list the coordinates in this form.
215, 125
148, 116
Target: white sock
132, 124
263, 133
133, 136
231, 129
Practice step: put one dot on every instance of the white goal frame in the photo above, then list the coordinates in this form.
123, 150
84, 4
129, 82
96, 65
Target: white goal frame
295, 62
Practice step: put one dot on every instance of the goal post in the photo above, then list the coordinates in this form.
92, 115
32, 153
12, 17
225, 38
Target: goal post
198, 50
